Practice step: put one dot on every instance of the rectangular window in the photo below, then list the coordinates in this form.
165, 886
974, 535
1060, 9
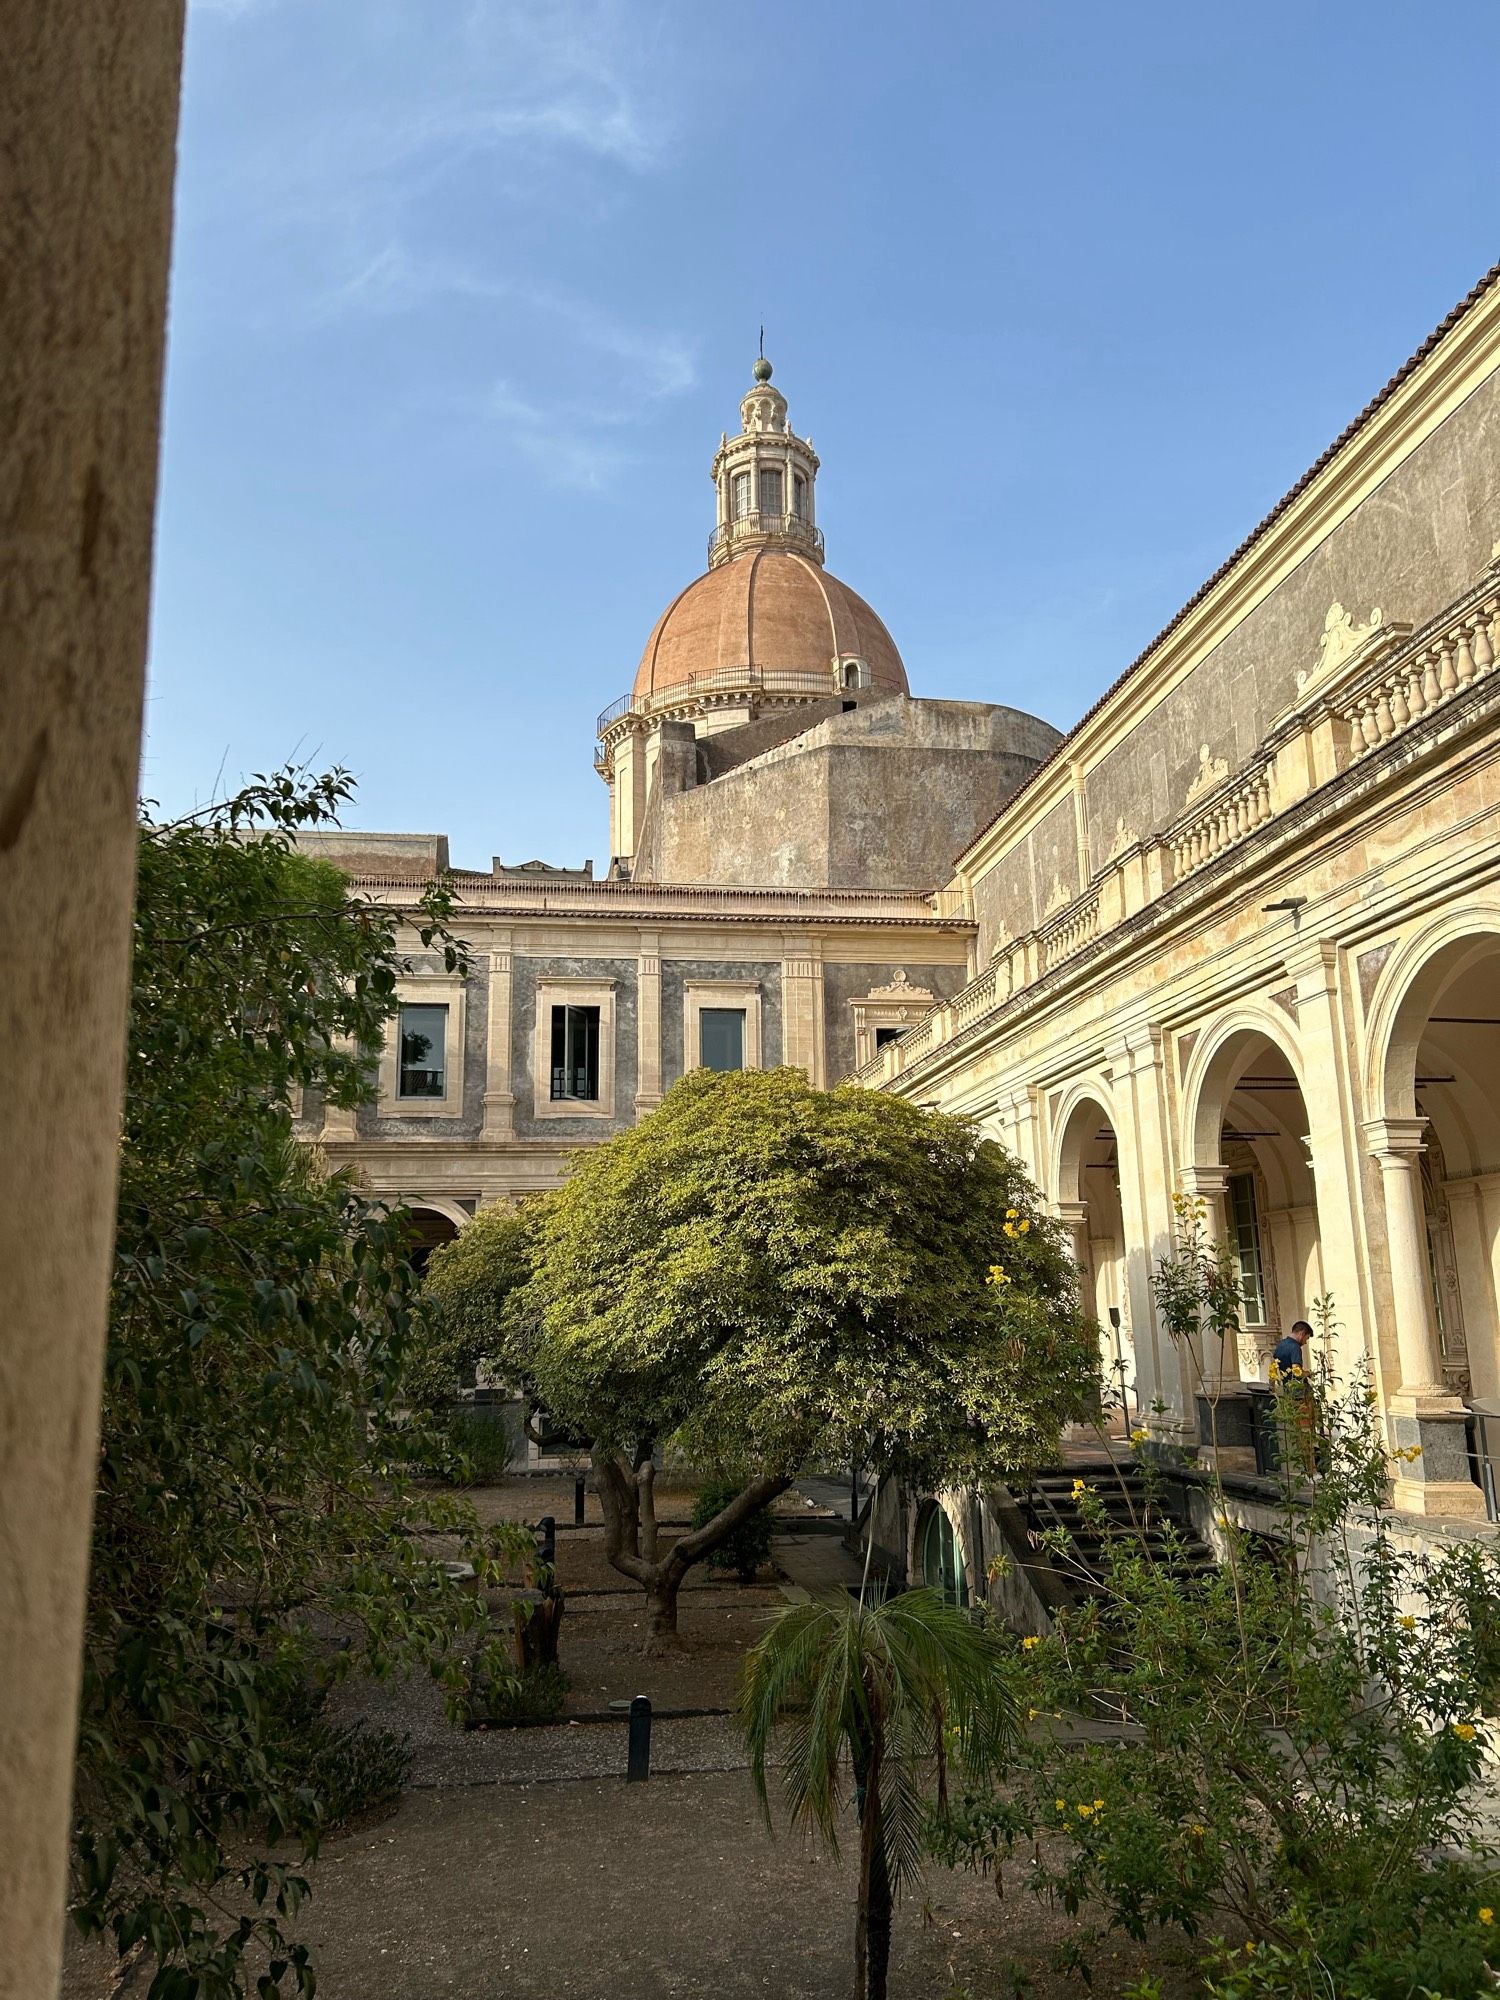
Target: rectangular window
770, 491
1244, 1241
721, 1037
884, 1035
575, 1053
799, 497
424, 1053
740, 498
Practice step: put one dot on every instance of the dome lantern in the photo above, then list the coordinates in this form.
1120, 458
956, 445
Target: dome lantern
764, 480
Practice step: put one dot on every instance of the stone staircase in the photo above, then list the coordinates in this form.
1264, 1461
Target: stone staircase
1052, 1503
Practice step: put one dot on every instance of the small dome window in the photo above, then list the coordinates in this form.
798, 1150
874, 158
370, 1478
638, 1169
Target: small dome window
739, 502
854, 674
770, 490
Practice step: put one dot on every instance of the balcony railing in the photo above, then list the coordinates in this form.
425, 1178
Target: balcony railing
756, 526
724, 680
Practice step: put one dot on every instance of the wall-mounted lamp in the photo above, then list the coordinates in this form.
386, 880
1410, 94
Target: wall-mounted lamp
1292, 903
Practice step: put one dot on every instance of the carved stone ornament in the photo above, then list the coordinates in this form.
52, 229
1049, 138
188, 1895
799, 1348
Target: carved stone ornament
1341, 640
1124, 837
900, 988
1211, 771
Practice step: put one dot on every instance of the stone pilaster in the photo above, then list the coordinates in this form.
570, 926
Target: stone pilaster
803, 1042
648, 1092
499, 1098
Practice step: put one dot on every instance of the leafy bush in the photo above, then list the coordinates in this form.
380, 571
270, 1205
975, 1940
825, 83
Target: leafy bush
1301, 1741
347, 1770
535, 1696
746, 1547
254, 1480
482, 1449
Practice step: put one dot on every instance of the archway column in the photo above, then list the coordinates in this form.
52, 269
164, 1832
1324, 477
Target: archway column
1425, 1414
1074, 1217
1329, 1098
1138, 1083
1210, 1185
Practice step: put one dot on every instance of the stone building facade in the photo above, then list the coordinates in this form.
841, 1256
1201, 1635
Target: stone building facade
782, 815
1239, 938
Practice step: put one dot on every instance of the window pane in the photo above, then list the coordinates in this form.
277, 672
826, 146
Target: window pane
424, 1036
721, 1037
1244, 1240
740, 504
770, 492
575, 1052
799, 497
884, 1035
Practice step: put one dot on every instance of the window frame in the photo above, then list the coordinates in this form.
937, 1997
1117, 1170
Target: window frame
712, 994
1245, 1177
569, 1008
899, 1005
421, 990
569, 990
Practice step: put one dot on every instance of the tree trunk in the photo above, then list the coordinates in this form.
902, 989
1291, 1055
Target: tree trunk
645, 1483
872, 1926
88, 109
661, 1604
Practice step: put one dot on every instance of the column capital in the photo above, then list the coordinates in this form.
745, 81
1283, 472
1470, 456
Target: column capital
1071, 1213
1134, 1048
1204, 1180
1396, 1139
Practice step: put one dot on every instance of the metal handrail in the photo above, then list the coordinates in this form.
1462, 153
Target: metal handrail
793, 526
723, 680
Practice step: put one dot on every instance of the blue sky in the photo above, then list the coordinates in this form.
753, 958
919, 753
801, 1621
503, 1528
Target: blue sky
466, 290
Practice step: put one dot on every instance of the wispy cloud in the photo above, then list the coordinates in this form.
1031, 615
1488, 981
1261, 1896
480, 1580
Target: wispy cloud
406, 167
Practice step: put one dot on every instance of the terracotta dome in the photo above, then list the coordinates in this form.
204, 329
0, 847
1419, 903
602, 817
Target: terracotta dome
771, 611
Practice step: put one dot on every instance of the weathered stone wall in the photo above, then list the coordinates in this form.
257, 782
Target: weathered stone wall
884, 796
844, 984
525, 1083
677, 973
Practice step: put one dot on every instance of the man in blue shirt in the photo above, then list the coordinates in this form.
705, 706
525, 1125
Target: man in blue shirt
1291, 1352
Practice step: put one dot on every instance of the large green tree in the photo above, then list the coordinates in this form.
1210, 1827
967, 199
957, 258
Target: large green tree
254, 1529
764, 1275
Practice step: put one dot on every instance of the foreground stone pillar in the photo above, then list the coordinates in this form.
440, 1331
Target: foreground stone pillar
88, 107
1425, 1415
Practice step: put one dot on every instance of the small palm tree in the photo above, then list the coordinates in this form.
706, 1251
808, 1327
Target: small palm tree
895, 1683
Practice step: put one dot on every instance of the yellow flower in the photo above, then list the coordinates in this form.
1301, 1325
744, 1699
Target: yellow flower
1079, 1486
1297, 1369
1250, 1947
1023, 1227
1082, 1810
1407, 1624
1011, 1214
1464, 1731
998, 1275
1486, 1916
1032, 1714
1140, 1437
1098, 1805
1027, 1644
1010, 1229
1197, 1830
1061, 1804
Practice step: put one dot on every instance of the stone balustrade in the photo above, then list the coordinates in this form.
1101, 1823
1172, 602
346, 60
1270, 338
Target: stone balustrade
1338, 720
1233, 813
1069, 931
1423, 679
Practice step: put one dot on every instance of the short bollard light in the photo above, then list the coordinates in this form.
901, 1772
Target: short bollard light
638, 1753
578, 1501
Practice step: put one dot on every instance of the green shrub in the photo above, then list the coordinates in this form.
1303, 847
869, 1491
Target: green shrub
341, 1771
537, 1695
1304, 1770
749, 1546
481, 1450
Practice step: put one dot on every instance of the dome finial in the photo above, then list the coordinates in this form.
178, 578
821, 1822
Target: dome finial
762, 369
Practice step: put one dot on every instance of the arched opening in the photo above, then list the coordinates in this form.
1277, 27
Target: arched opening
428, 1228
1251, 1159
942, 1558
1441, 1080
1088, 1184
